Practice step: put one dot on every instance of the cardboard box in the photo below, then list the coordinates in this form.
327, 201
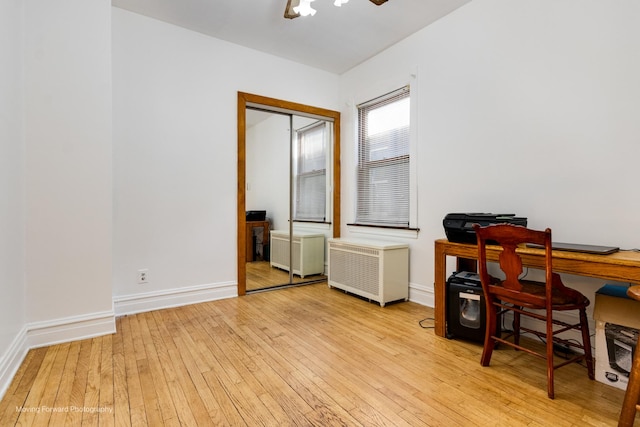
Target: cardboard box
614, 306
617, 327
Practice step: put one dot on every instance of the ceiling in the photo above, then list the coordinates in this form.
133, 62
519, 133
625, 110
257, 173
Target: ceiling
336, 39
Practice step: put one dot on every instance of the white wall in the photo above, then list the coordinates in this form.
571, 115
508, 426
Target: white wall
175, 154
55, 175
528, 107
12, 286
267, 169
68, 160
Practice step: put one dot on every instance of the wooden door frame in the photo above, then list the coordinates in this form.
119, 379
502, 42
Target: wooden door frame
245, 99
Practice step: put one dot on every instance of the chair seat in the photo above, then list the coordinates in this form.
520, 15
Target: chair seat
561, 298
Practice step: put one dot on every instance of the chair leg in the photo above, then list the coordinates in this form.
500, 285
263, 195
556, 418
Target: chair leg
550, 369
516, 326
632, 395
586, 342
491, 329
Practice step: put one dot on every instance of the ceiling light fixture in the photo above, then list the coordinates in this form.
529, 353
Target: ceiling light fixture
297, 8
304, 8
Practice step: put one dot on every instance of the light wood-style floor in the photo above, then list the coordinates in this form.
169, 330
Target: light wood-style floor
260, 275
303, 356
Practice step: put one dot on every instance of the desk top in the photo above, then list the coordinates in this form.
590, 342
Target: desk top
623, 266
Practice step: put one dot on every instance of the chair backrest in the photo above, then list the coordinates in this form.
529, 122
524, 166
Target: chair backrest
511, 237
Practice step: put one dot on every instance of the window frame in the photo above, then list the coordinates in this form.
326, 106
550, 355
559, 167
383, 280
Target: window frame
366, 164
297, 176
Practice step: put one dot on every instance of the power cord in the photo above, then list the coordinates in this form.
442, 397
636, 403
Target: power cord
560, 350
427, 326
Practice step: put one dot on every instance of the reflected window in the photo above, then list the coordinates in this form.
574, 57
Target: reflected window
310, 173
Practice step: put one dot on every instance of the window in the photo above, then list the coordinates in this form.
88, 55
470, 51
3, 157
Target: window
310, 172
383, 192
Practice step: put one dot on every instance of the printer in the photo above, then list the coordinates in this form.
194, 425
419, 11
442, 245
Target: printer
459, 226
256, 215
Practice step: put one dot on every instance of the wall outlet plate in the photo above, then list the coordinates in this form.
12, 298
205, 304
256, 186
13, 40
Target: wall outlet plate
143, 276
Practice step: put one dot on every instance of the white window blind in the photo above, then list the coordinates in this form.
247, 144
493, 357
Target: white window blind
383, 160
310, 170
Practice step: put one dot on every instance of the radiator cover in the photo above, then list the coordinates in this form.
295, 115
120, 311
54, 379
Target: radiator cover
308, 252
373, 269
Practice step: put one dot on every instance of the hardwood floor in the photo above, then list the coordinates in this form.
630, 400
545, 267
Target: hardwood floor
300, 356
260, 275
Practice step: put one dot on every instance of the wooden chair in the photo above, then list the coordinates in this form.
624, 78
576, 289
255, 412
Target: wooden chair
519, 296
632, 395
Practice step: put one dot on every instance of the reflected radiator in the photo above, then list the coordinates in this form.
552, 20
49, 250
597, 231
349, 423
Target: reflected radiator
308, 252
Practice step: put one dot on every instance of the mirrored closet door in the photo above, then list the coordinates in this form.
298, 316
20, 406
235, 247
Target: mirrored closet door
287, 192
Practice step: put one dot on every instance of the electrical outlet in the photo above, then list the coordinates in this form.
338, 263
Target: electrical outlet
143, 276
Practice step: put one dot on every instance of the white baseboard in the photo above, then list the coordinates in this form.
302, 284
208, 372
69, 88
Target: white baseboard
40, 334
421, 295
148, 301
50, 332
12, 359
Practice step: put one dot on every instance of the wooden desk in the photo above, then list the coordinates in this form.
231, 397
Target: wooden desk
622, 266
265, 236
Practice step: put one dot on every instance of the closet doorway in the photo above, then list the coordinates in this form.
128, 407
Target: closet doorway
288, 191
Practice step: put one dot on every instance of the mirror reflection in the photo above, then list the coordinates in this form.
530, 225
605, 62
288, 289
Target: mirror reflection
287, 193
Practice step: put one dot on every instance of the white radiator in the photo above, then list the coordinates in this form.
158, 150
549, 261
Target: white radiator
308, 252
372, 269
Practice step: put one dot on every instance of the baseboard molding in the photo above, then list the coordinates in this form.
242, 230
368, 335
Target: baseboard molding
421, 295
148, 301
12, 359
50, 332
40, 334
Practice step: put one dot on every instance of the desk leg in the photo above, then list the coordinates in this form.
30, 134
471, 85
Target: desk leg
265, 239
440, 271
249, 243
